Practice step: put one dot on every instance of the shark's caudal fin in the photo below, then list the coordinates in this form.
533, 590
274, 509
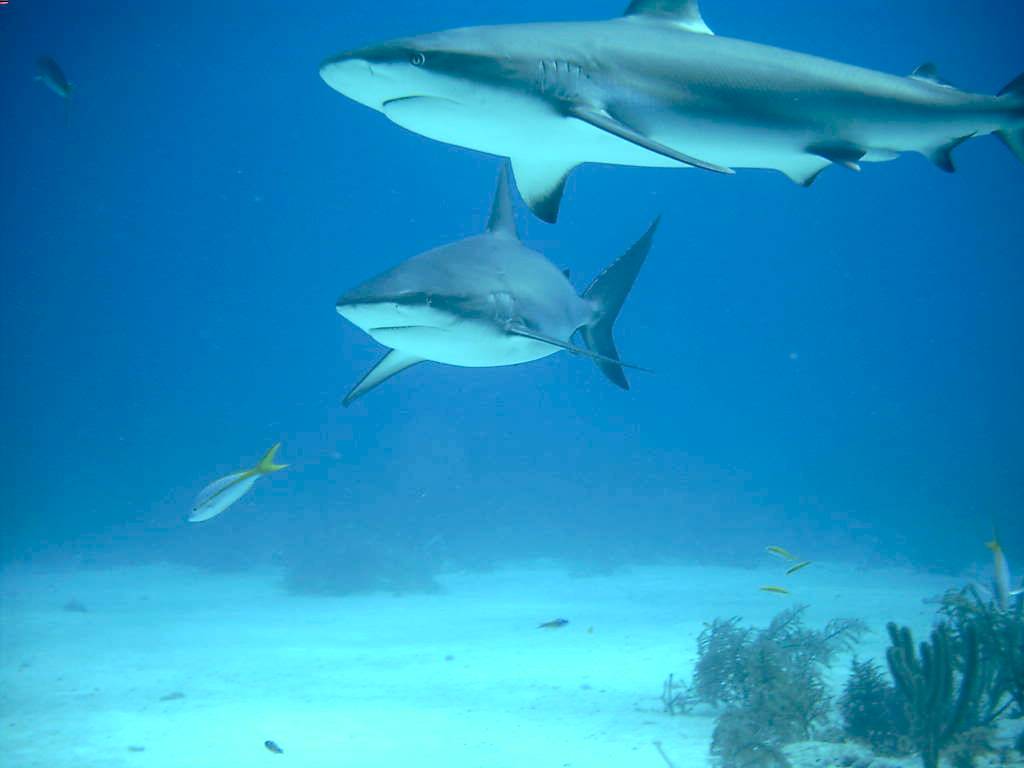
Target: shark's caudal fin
608, 292
266, 464
1013, 136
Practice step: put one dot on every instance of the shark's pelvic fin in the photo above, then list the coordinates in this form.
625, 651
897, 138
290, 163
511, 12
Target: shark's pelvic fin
394, 362
503, 218
608, 293
519, 330
601, 119
541, 182
845, 155
943, 156
929, 73
682, 13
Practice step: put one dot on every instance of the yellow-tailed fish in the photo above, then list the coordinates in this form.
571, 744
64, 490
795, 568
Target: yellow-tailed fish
1002, 574
780, 552
775, 590
798, 567
221, 494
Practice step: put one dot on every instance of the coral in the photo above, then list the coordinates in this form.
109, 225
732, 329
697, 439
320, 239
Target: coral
743, 740
926, 684
1000, 637
677, 697
770, 681
872, 710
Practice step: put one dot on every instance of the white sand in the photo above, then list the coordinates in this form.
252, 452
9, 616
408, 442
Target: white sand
364, 681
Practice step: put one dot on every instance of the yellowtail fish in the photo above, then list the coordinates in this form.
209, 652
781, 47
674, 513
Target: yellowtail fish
798, 567
221, 494
775, 590
1002, 575
780, 552
553, 624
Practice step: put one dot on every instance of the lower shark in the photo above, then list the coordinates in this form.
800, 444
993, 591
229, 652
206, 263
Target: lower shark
489, 300
656, 87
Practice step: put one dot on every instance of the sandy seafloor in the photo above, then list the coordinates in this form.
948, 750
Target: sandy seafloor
460, 679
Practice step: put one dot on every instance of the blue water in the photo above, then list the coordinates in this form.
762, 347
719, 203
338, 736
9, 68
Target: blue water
836, 369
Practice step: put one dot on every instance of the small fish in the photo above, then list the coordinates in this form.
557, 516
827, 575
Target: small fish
221, 494
51, 75
272, 746
553, 624
775, 590
798, 567
780, 552
1002, 574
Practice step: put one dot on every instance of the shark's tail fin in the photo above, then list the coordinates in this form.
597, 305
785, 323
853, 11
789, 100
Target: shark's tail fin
1013, 135
267, 465
608, 293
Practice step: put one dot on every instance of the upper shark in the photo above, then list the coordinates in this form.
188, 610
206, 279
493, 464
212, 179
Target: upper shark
655, 87
489, 300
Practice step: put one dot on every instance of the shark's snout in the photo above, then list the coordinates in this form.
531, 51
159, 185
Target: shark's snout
353, 76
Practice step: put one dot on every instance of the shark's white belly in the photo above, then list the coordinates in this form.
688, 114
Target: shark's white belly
470, 345
521, 127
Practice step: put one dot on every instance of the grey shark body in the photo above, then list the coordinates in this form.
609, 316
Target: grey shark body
489, 300
657, 88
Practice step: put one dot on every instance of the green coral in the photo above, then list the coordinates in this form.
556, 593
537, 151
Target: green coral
926, 682
872, 710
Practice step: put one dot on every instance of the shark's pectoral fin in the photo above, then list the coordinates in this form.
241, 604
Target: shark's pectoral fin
599, 118
845, 155
394, 362
541, 182
682, 13
518, 330
942, 156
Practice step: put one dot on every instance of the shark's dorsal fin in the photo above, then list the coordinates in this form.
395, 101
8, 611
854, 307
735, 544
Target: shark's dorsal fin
929, 73
394, 362
503, 218
682, 13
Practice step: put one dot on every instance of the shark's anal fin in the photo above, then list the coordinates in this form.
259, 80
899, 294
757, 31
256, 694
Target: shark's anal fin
943, 156
605, 122
682, 13
541, 183
518, 330
393, 363
845, 155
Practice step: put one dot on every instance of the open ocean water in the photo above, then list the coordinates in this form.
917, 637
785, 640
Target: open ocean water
836, 370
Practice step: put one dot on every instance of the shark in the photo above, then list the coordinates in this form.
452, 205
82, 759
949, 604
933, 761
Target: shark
489, 300
655, 87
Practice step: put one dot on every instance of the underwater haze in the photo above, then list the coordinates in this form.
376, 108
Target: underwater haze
837, 370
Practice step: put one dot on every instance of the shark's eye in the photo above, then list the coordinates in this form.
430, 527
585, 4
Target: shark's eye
417, 59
